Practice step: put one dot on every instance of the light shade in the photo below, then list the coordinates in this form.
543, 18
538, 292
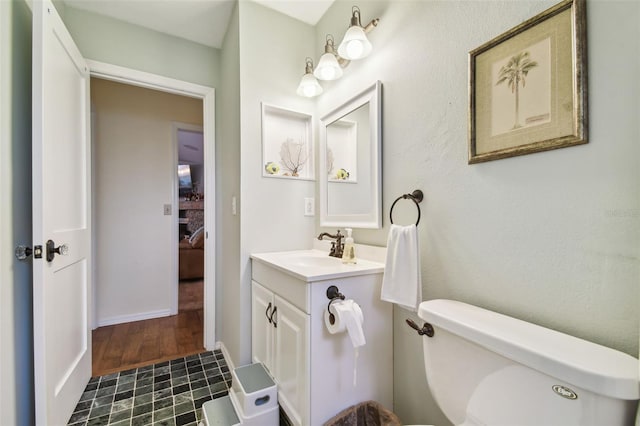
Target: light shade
328, 68
355, 44
309, 86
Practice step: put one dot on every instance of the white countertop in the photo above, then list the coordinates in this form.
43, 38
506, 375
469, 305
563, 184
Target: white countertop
316, 265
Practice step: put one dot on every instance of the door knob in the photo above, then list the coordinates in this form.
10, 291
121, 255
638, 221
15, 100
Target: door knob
52, 250
22, 252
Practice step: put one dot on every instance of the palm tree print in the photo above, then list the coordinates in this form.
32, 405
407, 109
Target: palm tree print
515, 73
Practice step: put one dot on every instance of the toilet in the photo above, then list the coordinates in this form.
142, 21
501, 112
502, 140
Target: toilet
484, 368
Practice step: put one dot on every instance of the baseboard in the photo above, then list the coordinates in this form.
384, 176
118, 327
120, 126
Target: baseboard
225, 352
133, 317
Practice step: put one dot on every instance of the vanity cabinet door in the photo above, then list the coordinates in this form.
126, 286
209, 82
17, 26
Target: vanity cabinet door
262, 330
291, 357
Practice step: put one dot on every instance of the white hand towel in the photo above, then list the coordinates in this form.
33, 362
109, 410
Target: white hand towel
402, 283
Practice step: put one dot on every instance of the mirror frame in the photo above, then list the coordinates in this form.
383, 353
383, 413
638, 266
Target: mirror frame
373, 219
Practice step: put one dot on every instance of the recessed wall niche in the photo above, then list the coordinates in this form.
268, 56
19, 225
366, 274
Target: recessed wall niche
287, 144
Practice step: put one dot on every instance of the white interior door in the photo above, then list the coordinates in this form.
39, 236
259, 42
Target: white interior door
61, 213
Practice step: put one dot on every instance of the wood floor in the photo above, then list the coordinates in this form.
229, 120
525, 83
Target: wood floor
130, 345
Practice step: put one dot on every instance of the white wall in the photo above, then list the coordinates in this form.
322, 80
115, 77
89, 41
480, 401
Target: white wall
273, 48
134, 173
16, 324
552, 237
227, 187
116, 42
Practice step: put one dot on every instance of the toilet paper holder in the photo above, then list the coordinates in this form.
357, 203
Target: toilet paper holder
333, 294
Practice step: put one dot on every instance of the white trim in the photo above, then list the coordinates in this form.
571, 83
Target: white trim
227, 356
207, 94
134, 317
209, 126
372, 219
147, 80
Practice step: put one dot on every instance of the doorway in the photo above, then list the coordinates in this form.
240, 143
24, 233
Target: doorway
189, 143
135, 177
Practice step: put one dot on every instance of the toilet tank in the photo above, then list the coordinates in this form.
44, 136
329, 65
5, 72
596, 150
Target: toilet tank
484, 368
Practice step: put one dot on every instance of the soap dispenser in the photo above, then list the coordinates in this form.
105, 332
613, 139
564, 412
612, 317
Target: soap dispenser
349, 251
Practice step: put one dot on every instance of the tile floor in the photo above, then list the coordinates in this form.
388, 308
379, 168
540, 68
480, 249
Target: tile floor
169, 393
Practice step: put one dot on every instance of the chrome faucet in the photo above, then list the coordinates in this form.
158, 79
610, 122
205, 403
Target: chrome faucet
336, 246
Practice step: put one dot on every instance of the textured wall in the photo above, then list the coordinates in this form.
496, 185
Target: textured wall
272, 52
227, 187
117, 42
550, 238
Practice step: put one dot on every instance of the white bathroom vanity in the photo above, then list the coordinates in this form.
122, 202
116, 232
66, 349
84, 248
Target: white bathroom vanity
314, 369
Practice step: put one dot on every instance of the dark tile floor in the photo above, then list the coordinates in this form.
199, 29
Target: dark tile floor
169, 393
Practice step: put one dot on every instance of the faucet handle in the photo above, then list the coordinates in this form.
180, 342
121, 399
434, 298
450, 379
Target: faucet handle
333, 248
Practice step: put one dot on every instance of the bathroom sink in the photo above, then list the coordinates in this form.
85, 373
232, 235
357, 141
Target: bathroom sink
311, 260
313, 265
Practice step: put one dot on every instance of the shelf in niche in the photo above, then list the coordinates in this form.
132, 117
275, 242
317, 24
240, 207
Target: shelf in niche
279, 126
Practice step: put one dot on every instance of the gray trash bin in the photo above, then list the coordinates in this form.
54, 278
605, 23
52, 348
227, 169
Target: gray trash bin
368, 413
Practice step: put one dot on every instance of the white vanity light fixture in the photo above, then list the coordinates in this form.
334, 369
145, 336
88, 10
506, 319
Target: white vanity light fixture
309, 86
330, 64
355, 44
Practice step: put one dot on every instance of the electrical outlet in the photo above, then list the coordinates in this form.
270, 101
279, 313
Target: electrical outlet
167, 209
234, 206
309, 207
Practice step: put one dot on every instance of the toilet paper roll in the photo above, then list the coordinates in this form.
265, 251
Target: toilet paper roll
347, 317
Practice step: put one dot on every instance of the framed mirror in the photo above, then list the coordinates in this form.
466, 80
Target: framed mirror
350, 162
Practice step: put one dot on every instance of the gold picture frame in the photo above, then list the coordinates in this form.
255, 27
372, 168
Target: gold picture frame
528, 86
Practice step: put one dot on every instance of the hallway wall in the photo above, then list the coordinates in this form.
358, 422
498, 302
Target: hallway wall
134, 171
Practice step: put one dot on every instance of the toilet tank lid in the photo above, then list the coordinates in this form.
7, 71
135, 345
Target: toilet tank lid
593, 367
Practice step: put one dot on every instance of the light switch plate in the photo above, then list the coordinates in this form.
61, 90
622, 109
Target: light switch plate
309, 207
167, 209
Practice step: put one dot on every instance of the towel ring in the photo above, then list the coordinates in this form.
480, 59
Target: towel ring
416, 196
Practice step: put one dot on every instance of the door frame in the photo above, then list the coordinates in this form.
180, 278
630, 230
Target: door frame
207, 95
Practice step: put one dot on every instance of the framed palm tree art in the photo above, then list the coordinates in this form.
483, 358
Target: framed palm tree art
528, 86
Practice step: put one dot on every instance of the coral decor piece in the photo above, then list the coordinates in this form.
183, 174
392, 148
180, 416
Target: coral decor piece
293, 156
330, 160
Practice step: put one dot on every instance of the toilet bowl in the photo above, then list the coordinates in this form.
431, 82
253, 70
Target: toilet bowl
484, 368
